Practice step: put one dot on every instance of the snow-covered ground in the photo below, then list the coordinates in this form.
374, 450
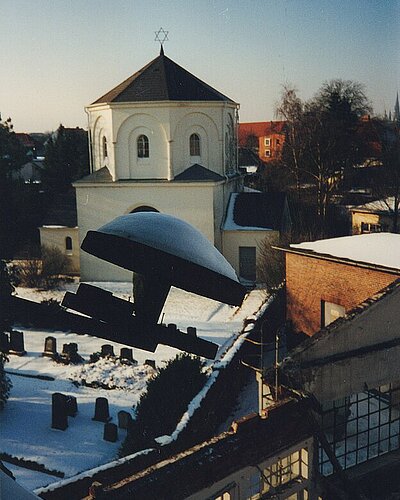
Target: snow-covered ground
25, 422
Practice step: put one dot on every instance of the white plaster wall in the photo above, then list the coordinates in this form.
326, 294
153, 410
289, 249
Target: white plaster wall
232, 240
55, 237
100, 125
99, 205
128, 165
168, 126
222, 193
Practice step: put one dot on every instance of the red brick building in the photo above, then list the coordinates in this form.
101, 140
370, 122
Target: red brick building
325, 279
267, 138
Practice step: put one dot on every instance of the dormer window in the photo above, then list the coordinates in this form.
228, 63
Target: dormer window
143, 146
105, 152
194, 144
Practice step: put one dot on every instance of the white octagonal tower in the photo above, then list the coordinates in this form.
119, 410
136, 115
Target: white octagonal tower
162, 140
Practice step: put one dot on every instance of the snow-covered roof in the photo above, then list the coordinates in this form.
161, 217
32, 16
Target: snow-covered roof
254, 211
379, 249
385, 205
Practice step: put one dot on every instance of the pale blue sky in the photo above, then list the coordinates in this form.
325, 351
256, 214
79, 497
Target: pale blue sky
57, 56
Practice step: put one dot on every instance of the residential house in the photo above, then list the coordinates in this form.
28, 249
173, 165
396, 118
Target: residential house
59, 228
252, 221
266, 138
327, 278
351, 368
376, 216
30, 172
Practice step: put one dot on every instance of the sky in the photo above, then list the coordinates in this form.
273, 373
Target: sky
58, 56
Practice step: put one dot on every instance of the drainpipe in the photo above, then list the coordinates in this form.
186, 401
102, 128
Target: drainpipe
170, 169
240, 181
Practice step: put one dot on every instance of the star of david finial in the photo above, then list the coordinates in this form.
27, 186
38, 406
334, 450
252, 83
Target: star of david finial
161, 36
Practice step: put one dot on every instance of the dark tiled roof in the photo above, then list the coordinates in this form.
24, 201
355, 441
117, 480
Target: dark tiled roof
62, 211
101, 175
259, 210
198, 173
162, 80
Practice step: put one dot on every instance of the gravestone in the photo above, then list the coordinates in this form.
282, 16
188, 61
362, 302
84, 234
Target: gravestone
59, 412
17, 343
101, 412
70, 353
72, 406
50, 347
4, 342
124, 419
192, 331
150, 362
126, 354
107, 350
110, 432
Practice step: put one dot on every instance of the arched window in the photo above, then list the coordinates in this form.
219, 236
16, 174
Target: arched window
105, 152
194, 143
143, 146
68, 244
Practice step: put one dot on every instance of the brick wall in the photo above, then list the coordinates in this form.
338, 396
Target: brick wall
311, 280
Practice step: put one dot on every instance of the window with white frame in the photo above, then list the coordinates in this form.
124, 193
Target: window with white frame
267, 153
289, 468
366, 227
194, 145
143, 150
267, 141
105, 152
330, 312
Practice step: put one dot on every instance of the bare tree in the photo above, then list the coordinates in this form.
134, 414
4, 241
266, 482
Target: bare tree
291, 109
321, 136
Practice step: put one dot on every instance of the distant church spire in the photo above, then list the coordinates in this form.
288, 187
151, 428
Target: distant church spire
396, 116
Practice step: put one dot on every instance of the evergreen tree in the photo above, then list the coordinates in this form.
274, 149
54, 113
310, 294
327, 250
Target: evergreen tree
12, 157
165, 401
66, 158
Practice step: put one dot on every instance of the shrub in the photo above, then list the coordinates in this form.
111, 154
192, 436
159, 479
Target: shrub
271, 264
47, 271
55, 264
165, 401
30, 273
